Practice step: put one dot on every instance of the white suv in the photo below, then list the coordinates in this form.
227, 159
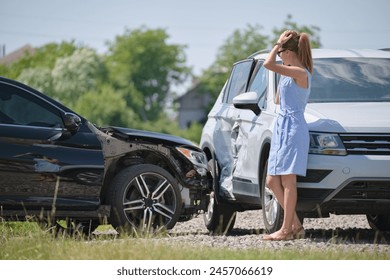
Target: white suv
349, 159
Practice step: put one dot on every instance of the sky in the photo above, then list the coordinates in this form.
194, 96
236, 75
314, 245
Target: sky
201, 25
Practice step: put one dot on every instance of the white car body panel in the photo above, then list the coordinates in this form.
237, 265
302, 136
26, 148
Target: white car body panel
361, 117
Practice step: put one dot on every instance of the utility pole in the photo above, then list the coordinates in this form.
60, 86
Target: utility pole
2, 50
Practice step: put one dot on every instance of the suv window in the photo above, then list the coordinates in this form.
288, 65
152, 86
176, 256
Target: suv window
259, 83
238, 79
19, 107
351, 80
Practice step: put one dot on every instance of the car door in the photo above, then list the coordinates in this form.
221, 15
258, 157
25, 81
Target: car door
253, 132
226, 118
42, 163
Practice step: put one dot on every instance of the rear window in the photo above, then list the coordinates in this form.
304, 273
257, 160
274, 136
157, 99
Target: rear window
351, 80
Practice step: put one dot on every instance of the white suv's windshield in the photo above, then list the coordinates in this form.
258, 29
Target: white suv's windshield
351, 80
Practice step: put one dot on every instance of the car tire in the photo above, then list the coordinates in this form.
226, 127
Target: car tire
379, 222
219, 218
272, 211
144, 198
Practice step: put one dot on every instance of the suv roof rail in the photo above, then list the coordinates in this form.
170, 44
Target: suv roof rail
259, 52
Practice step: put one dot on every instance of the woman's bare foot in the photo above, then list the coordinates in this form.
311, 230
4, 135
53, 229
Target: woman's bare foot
299, 232
280, 235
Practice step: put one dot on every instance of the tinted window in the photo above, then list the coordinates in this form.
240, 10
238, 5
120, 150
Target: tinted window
238, 79
259, 84
351, 80
22, 108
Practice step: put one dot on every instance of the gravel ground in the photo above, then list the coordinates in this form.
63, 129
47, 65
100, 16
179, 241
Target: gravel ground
342, 232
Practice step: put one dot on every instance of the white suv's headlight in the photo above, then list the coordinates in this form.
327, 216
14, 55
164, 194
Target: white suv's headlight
327, 144
197, 158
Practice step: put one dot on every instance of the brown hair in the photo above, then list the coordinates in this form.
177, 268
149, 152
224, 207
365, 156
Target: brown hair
300, 44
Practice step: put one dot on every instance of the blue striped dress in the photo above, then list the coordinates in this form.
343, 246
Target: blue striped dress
290, 139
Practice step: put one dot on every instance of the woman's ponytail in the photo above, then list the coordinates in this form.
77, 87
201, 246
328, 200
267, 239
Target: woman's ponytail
304, 51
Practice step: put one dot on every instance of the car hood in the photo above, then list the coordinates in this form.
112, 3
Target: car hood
362, 117
152, 137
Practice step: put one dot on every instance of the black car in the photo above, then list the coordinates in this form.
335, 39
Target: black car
56, 165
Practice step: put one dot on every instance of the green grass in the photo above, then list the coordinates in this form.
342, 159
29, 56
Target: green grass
26, 241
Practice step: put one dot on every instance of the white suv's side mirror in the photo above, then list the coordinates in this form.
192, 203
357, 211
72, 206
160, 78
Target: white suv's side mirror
248, 100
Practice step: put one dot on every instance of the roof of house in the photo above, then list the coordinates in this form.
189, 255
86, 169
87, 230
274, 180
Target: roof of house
16, 55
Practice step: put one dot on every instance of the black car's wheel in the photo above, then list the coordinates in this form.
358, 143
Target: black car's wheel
272, 211
219, 218
379, 222
144, 197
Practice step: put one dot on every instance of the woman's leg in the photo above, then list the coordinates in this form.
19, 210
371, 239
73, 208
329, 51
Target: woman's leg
287, 191
276, 185
289, 183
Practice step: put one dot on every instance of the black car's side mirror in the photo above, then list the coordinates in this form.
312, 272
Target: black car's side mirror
72, 122
249, 101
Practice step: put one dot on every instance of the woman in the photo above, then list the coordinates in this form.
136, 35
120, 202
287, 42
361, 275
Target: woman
290, 140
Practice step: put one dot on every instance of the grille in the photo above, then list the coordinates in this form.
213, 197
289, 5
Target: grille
369, 144
378, 190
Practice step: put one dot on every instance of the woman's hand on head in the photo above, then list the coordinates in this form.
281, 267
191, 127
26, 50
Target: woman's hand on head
285, 36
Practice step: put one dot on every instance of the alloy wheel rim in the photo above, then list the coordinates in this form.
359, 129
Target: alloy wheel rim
149, 201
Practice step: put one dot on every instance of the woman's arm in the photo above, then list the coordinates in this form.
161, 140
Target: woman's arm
294, 72
270, 62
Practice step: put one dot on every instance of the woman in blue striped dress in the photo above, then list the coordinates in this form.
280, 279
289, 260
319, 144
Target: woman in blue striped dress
290, 139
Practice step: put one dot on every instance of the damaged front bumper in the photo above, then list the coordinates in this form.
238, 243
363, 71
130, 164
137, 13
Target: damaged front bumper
186, 162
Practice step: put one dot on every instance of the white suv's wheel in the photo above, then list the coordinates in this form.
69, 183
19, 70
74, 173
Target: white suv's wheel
219, 218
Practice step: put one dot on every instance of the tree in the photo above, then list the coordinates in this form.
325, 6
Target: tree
240, 45
62, 71
38, 78
43, 58
311, 30
68, 77
75, 75
143, 65
106, 107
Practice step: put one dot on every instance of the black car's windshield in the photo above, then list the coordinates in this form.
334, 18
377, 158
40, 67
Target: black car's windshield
351, 80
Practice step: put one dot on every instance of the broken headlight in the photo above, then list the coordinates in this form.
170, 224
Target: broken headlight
197, 158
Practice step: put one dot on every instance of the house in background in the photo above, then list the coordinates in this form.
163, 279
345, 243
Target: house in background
193, 107
8, 59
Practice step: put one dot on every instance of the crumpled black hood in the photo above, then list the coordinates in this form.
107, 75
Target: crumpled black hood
153, 137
